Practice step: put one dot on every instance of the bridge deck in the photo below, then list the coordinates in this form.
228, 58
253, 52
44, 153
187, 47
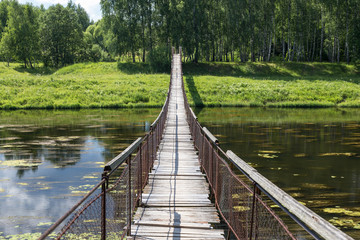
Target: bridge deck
175, 203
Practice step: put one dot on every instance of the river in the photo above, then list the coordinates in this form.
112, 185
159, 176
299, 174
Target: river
312, 154
49, 159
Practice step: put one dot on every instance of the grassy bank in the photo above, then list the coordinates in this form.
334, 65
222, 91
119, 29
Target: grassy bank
273, 84
90, 85
112, 85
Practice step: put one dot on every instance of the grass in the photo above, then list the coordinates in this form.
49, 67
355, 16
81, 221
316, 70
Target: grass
85, 85
281, 85
127, 85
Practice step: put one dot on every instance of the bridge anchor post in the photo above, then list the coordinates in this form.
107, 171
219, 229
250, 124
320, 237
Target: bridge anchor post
103, 204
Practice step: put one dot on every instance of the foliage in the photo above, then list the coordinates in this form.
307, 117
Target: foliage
20, 37
159, 59
230, 30
61, 36
83, 17
226, 30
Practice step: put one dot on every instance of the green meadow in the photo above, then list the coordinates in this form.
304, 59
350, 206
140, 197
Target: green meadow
128, 85
83, 85
273, 84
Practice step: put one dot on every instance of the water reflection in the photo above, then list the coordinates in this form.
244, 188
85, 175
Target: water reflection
313, 154
49, 159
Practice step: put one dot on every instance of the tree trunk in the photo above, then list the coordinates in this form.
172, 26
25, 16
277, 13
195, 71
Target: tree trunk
347, 33
322, 34
283, 46
150, 25
270, 42
31, 66
232, 53
274, 31
314, 46
289, 44
251, 33
333, 51
293, 51
338, 50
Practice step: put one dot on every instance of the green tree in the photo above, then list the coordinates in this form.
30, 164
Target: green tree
83, 17
20, 38
122, 17
61, 36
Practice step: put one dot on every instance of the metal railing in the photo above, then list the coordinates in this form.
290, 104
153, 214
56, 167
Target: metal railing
107, 210
244, 206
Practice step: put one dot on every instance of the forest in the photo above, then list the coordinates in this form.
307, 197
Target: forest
207, 30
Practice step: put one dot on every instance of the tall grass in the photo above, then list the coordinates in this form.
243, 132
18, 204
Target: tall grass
85, 85
285, 85
127, 85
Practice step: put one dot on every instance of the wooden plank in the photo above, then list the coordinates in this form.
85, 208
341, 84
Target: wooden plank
172, 238
177, 231
175, 202
174, 224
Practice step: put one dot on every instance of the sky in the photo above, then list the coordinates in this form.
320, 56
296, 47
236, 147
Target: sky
92, 7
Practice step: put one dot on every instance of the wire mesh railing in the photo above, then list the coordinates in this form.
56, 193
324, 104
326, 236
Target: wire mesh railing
244, 206
106, 211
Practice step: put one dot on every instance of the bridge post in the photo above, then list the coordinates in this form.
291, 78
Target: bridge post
217, 171
253, 231
129, 212
140, 179
103, 205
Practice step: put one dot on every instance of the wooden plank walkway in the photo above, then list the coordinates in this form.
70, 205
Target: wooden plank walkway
175, 203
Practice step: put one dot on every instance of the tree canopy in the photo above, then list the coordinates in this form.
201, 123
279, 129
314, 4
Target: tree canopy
208, 30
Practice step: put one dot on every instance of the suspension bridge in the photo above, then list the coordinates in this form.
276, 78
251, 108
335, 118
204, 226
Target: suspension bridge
177, 183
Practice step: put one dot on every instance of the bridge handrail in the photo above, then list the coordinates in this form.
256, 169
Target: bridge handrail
320, 225
311, 222
121, 158
144, 150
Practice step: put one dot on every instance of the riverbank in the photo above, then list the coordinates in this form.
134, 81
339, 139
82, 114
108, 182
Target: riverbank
282, 85
127, 85
84, 85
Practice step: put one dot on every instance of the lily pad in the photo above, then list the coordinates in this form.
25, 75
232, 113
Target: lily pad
342, 211
28, 236
90, 177
337, 154
9, 139
21, 163
41, 224
83, 189
315, 186
345, 222
241, 209
22, 184
268, 151
265, 155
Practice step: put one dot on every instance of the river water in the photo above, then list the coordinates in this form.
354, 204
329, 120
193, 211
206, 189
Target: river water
49, 159
313, 154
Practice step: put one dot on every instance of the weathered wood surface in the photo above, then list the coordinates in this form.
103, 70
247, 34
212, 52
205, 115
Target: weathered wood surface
175, 203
